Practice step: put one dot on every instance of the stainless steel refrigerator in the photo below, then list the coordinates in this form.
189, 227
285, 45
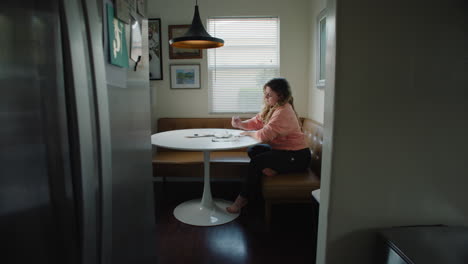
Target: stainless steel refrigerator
75, 150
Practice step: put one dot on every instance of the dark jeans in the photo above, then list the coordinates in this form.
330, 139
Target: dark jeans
282, 161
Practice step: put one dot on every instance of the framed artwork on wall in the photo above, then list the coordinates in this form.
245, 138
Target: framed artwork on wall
185, 76
122, 10
141, 7
177, 53
136, 41
118, 53
154, 46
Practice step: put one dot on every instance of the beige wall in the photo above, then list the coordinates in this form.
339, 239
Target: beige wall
399, 123
316, 96
294, 49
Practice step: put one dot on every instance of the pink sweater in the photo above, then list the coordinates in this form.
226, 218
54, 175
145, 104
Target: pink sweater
281, 132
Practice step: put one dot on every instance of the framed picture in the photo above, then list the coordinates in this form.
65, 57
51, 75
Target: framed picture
154, 46
116, 33
135, 43
177, 53
141, 7
122, 10
321, 49
184, 76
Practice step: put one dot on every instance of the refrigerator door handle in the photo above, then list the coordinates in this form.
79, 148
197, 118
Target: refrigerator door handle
90, 138
97, 59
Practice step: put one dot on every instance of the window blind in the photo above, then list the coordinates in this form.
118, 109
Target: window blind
249, 58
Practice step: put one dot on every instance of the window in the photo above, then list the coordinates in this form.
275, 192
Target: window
321, 48
249, 58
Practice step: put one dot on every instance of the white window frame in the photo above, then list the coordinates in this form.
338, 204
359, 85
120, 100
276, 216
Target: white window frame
320, 61
210, 91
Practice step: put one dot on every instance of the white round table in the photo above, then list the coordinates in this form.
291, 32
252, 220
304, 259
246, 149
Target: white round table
205, 211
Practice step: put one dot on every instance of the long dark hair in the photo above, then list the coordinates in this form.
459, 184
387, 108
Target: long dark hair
281, 87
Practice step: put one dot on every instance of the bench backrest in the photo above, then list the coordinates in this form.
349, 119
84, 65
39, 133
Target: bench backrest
166, 124
314, 136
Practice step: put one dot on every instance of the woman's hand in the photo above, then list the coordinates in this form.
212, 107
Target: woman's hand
236, 122
248, 133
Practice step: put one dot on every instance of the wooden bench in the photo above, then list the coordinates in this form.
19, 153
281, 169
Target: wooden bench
282, 188
296, 187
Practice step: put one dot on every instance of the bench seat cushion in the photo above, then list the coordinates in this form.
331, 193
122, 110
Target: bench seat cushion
191, 157
290, 186
238, 157
178, 157
223, 164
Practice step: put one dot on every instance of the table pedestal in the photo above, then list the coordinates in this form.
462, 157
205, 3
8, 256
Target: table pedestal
205, 211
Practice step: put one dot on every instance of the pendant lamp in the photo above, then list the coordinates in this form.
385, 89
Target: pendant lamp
196, 37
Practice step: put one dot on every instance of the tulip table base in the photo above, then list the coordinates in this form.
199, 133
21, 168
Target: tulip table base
194, 213
205, 211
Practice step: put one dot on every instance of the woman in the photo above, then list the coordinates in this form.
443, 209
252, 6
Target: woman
278, 126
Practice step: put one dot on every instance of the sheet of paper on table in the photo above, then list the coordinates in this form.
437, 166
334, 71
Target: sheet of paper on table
230, 139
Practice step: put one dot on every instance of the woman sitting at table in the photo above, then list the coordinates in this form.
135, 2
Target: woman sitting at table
278, 126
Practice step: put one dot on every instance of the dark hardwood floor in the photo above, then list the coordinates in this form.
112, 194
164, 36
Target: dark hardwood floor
291, 238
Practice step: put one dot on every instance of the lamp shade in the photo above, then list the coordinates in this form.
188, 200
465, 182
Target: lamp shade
196, 37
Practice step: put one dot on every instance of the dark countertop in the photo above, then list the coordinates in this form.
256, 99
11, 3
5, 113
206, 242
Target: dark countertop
429, 244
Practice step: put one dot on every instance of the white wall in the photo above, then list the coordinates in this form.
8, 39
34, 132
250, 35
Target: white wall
316, 96
399, 123
294, 49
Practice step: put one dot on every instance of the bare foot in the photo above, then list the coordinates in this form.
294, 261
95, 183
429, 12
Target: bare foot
269, 172
237, 205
